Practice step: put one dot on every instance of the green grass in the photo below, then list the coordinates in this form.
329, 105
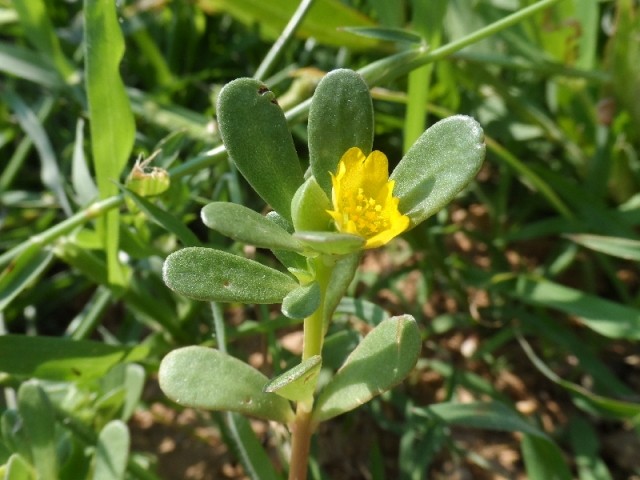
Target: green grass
525, 288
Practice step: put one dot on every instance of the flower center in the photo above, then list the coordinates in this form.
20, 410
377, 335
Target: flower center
366, 215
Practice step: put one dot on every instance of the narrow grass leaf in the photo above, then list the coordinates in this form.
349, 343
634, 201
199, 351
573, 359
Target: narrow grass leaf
605, 317
248, 447
626, 248
51, 358
50, 173
322, 23
111, 119
163, 218
543, 460
81, 179
585, 444
482, 415
583, 397
22, 273
386, 34
112, 451
22, 63
37, 26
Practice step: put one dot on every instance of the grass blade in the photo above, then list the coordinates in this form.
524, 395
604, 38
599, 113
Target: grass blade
111, 119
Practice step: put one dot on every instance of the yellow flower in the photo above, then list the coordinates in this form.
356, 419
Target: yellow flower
362, 198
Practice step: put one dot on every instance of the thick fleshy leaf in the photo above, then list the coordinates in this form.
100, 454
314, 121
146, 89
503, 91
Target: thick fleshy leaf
331, 243
17, 468
291, 260
309, 208
39, 422
298, 383
202, 377
341, 276
340, 117
255, 132
383, 359
215, 276
112, 451
302, 301
438, 166
247, 226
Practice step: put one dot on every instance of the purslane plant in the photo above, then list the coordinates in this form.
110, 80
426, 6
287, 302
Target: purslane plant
320, 224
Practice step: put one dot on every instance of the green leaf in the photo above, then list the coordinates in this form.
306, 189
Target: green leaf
331, 243
13, 434
38, 28
484, 415
247, 226
212, 275
341, 277
340, 117
438, 166
39, 422
607, 318
112, 451
22, 273
298, 383
248, 447
302, 301
54, 358
585, 444
50, 172
387, 34
26, 64
309, 208
83, 185
543, 460
163, 218
626, 248
322, 23
18, 469
111, 120
383, 359
255, 132
584, 398
202, 377
291, 260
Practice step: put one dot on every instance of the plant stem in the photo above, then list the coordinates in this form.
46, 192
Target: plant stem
301, 432
302, 429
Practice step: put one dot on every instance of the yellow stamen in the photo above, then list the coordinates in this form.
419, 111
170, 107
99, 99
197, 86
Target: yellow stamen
362, 198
